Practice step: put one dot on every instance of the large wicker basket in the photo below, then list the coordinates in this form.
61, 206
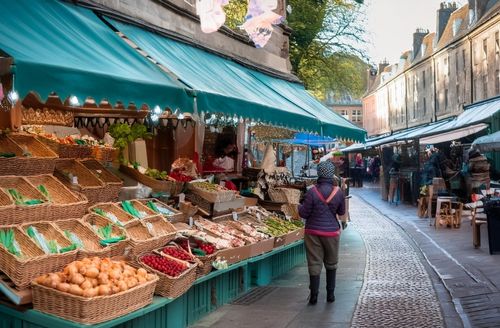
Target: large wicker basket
23, 213
292, 195
277, 195
114, 209
171, 187
41, 161
139, 206
91, 186
105, 154
175, 216
33, 263
92, 310
97, 221
142, 240
64, 203
113, 183
6, 208
91, 242
67, 150
160, 226
172, 287
212, 196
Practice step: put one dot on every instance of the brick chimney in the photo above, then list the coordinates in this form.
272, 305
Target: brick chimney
418, 37
443, 15
371, 75
382, 66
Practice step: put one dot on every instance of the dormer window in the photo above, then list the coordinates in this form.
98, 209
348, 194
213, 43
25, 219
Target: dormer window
456, 26
423, 48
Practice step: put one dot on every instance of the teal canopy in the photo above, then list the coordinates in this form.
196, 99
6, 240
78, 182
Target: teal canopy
220, 84
59, 47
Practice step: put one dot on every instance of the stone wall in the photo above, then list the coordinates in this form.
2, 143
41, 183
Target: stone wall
180, 17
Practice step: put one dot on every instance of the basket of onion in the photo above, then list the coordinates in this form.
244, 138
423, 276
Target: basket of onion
93, 290
176, 275
204, 251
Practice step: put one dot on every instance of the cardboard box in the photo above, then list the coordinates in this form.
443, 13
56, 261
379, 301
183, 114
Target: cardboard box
289, 238
234, 255
215, 209
261, 247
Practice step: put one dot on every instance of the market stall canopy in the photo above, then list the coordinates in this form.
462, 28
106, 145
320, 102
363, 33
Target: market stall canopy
453, 134
487, 143
301, 138
223, 85
354, 147
62, 48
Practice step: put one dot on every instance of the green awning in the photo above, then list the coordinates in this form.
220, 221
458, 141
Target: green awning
334, 125
221, 85
59, 47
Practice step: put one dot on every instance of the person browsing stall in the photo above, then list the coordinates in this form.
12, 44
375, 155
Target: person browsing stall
322, 203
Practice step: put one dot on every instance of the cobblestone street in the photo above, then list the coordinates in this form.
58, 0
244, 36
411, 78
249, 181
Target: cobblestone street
382, 282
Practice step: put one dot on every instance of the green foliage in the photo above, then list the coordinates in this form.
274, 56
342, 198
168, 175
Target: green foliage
236, 11
124, 134
326, 45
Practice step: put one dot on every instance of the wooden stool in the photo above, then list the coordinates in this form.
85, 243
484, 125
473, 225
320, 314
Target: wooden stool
422, 207
456, 212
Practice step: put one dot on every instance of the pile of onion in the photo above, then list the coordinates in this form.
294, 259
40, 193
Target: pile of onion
92, 277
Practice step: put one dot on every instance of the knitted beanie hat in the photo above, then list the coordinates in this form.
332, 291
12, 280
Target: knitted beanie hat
326, 169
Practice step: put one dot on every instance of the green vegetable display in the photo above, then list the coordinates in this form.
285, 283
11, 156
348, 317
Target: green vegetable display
7, 238
209, 186
153, 206
277, 227
49, 247
130, 209
156, 174
44, 191
124, 134
19, 199
106, 234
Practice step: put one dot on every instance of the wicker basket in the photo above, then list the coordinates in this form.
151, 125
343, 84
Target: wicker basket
105, 154
114, 209
23, 213
160, 226
176, 216
113, 183
292, 195
291, 210
142, 240
92, 310
277, 195
117, 249
213, 197
64, 203
6, 208
91, 242
205, 265
67, 150
91, 186
42, 160
139, 206
34, 263
169, 286
173, 188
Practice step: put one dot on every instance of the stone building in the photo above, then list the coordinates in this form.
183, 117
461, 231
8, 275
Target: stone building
444, 71
346, 106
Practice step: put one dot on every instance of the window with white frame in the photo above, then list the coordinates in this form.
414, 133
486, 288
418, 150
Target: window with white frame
356, 115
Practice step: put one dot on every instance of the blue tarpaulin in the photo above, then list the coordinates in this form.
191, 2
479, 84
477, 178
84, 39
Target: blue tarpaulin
302, 138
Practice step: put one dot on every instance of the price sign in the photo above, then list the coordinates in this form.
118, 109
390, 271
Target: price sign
235, 216
182, 197
191, 221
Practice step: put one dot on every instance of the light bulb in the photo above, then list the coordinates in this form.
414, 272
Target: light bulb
181, 116
155, 118
13, 96
157, 110
73, 101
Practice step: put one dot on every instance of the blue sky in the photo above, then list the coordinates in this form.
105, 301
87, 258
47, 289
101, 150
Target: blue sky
391, 24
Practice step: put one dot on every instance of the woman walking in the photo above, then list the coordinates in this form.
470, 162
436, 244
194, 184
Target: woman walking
322, 203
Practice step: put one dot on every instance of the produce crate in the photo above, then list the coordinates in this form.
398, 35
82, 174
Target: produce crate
113, 183
91, 242
289, 238
235, 254
67, 150
63, 202
23, 213
139, 206
172, 187
117, 249
171, 287
114, 209
160, 226
216, 209
213, 196
105, 154
92, 310
33, 263
174, 217
91, 186
143, 240
41, 161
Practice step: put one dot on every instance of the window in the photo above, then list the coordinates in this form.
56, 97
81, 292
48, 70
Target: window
463, 59
445, 99
423, 79
457, 95
485, 86
437, 71
497, 48
357, 116
425, 107
456, 64
343, 112
447, 66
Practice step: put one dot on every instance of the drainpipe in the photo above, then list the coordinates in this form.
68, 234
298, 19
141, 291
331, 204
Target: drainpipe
471, 61
434, 88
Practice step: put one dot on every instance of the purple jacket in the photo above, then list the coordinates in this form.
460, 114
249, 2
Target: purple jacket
320, 218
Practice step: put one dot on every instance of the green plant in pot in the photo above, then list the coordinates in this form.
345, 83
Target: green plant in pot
124, 134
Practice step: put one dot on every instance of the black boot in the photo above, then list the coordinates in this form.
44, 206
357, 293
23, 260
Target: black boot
314, 287
330, 285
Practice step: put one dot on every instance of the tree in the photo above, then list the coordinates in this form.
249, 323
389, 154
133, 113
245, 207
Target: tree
326, 45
